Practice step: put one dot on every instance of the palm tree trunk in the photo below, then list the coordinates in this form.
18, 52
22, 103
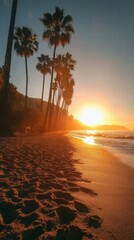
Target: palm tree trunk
58, 108
48, 110
54, 91
52, 74
26, 92
43, 85
4, 128
52, 124
60, 114
63, 116
59, 97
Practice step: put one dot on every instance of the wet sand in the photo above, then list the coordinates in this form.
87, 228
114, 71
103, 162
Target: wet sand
114, 183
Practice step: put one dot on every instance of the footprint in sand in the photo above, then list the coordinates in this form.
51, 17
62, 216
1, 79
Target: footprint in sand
65, 214
29, 206
74, 189
22, 193
42, 196
29, 219
32, 234
80, 207
60, 201
93, 221
13, 195
72, 233
8, 212
63, 195
50, 225
87, 190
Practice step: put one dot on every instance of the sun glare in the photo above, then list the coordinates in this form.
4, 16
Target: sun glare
89, 140
91, 116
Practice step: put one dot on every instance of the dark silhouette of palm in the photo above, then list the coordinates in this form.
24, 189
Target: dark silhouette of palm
44, 66
68, 61
4, 127
58, 30
25, 45
68, 92
63, 65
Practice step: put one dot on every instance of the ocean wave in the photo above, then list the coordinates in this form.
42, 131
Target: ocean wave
121, 142
105, 134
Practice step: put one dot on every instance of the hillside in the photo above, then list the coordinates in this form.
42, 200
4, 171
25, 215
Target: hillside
77, 125
71, 123
33, 103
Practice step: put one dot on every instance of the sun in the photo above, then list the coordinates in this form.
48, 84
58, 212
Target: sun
91, 116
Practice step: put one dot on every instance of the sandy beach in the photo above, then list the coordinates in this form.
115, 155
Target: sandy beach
53, 187
114, 183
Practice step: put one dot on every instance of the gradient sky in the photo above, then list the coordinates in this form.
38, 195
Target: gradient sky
103, 46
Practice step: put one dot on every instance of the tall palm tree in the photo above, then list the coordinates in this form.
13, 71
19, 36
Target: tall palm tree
54, 88
4, 128
63, 66
25, 45
44, 66
68, 61
58, 30
67, 65
58, 67
68, 93
67, 100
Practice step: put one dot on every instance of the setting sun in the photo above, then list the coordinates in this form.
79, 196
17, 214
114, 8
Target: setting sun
91, 116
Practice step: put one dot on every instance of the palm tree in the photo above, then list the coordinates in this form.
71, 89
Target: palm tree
67, 100
63, 66
44, 66
58, 30
25, 45
68, 93
4, 128
68, 61
59, 67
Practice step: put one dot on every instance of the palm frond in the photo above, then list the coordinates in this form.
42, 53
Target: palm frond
25, 42
69, 28
47, 19
65, 39
58, 14
67, 19
46, 35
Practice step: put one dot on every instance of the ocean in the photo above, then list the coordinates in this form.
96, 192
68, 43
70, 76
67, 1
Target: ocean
119, 143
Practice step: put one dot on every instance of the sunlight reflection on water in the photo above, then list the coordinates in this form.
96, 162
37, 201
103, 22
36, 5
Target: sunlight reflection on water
91, 131
89, 140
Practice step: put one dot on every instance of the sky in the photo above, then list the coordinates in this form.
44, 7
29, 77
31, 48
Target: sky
103, 46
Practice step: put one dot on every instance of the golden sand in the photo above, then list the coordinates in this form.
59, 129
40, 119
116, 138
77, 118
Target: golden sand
46, 192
